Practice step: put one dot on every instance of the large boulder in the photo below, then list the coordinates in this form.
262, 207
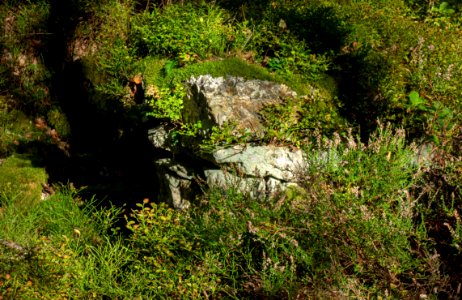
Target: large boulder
258, 170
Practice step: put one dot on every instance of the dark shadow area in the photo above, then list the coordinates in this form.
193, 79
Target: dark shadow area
358, 78
319, 26
245, 9
109, 152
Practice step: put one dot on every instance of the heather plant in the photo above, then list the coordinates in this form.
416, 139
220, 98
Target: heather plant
350, 226
439, 190
363, 211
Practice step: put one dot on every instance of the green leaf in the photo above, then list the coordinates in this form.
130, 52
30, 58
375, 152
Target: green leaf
416, 101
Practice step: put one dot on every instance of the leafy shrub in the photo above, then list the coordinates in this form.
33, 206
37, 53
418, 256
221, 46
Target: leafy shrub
164, 251
185, 31
435, 119
285, 54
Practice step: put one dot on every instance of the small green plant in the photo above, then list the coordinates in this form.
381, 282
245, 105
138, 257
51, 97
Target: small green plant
157, 233
169, 66
164, 248
166, 103
443, 9
437, 120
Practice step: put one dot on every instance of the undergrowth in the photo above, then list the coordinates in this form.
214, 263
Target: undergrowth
359, 223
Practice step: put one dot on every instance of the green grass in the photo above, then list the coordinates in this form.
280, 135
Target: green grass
54, 242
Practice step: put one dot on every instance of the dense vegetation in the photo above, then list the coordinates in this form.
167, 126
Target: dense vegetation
376, 214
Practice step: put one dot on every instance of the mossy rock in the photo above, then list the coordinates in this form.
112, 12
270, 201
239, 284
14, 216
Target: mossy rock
155, 72
21, 181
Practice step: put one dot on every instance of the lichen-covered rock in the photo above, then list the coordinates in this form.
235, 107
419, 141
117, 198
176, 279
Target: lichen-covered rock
281, 163
253, 186
256, 170
158, 137
215, 101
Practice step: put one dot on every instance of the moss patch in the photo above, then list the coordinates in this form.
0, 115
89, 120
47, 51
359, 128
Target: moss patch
15, 128
20, 180
154, 72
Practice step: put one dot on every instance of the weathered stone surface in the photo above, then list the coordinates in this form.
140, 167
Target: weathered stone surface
175, 183
159, 137
280, 163
214, 101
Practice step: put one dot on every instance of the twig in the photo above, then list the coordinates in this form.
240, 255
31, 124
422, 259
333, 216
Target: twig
15, 246
37, 33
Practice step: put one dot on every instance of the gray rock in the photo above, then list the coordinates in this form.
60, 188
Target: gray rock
226, 180
159, 138
215, 101
175, 183
281, 163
